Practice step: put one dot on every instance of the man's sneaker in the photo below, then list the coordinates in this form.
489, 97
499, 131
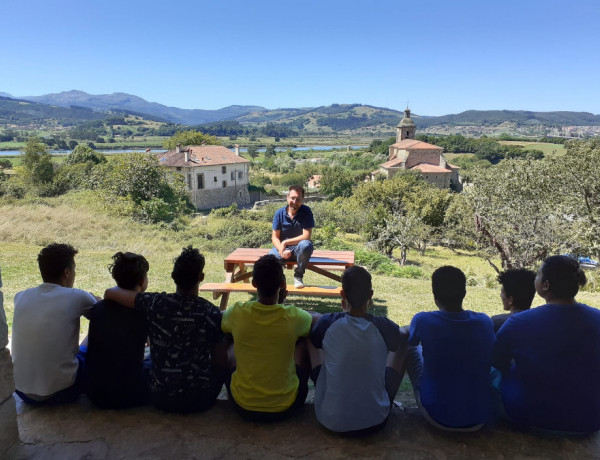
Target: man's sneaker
298, 283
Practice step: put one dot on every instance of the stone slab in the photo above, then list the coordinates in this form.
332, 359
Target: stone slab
81, 431
7, 384
9, 434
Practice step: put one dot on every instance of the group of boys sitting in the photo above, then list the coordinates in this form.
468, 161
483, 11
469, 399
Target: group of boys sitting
540, 368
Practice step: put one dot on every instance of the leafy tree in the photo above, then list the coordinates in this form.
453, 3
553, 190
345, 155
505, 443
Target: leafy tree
37, 163
516, 213
252, 151
191, 137
5, 164
336, 181
157, 195
578, 180
270, 151
72, 144
399, 230
84, 154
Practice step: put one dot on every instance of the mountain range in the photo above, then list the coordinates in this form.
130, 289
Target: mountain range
71, 107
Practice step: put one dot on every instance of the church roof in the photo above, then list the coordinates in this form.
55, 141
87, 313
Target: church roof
413, 144
392, 163
429, 168
200, 155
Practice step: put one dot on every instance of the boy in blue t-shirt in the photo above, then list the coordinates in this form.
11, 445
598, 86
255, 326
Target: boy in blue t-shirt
450, 358
362, 360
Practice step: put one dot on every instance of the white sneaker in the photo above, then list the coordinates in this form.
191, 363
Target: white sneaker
298, 283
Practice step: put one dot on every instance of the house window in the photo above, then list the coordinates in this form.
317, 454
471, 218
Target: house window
223, 169
224, 183
178, 168
240, 175
215, 179
189, 180
200, 178
232, 175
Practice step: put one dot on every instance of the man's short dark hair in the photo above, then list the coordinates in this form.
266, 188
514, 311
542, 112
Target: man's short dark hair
564, 275
298, 189
187, 268
53, 260
267, 275
128, 269
449, 286
519, 283
356, 283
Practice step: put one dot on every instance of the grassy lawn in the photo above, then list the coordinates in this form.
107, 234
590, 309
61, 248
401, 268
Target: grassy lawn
548, 149
28, 226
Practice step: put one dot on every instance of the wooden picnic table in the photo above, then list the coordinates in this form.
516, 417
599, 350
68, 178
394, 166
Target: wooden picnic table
237, 273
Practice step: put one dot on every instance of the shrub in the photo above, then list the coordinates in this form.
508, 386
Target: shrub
243, 234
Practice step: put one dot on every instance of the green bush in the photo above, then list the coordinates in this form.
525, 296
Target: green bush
12, 188
378, 263
228, 211
240, 234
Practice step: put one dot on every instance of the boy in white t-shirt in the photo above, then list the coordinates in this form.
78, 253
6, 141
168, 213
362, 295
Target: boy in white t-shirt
47, 360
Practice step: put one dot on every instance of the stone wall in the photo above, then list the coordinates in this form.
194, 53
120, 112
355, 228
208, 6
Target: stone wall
9, 433
219, 197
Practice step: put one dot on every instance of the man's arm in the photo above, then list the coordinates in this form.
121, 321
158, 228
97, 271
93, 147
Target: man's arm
123, 296
306, 234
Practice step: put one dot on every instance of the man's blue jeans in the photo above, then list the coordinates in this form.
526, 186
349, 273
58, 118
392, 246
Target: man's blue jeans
300, 253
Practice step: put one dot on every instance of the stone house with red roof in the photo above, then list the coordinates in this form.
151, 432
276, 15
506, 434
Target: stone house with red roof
410, 154
215, 176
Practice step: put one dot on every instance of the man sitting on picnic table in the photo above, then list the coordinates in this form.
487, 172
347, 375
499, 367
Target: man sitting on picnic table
292, 230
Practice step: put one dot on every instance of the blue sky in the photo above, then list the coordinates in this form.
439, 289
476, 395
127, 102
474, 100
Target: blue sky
441, 56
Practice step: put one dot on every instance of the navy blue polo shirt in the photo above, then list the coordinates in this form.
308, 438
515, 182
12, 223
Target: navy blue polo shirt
291, 228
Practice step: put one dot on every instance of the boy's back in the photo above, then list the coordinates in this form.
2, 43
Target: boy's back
457, 350
265, 337
46, 337
351, 391
114, 361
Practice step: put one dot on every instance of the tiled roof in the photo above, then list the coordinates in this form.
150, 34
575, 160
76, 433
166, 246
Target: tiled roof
429, 168
200, 155
414, 144
392, 163
453, 166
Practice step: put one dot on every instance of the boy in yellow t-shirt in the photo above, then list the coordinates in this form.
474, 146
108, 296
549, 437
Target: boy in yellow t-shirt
269, 380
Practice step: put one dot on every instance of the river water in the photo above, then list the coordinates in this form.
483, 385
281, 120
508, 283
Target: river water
108, 152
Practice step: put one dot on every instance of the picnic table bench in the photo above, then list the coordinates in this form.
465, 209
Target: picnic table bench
237, 275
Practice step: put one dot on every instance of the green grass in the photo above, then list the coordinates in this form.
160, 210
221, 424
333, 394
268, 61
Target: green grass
79, 219
548, 149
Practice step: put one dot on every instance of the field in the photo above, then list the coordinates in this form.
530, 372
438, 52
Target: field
548, 149
28, 226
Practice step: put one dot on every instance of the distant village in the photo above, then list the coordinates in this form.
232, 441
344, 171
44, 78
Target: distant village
216, 177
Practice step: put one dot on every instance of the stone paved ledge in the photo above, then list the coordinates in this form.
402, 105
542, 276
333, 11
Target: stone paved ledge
80, 431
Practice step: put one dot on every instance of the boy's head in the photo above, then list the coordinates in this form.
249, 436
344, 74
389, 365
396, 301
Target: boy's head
518, 288
188, 268
130, 270
449, 286
267, 275
560, 276
357, 287
57, 264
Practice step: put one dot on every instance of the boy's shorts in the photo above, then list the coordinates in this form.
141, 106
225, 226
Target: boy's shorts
192, 400
67, 395
256, 416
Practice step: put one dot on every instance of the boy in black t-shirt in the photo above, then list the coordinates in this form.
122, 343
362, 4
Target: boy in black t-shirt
189, 354
116, 375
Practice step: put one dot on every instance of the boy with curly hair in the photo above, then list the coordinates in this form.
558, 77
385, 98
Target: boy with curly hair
186, 342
